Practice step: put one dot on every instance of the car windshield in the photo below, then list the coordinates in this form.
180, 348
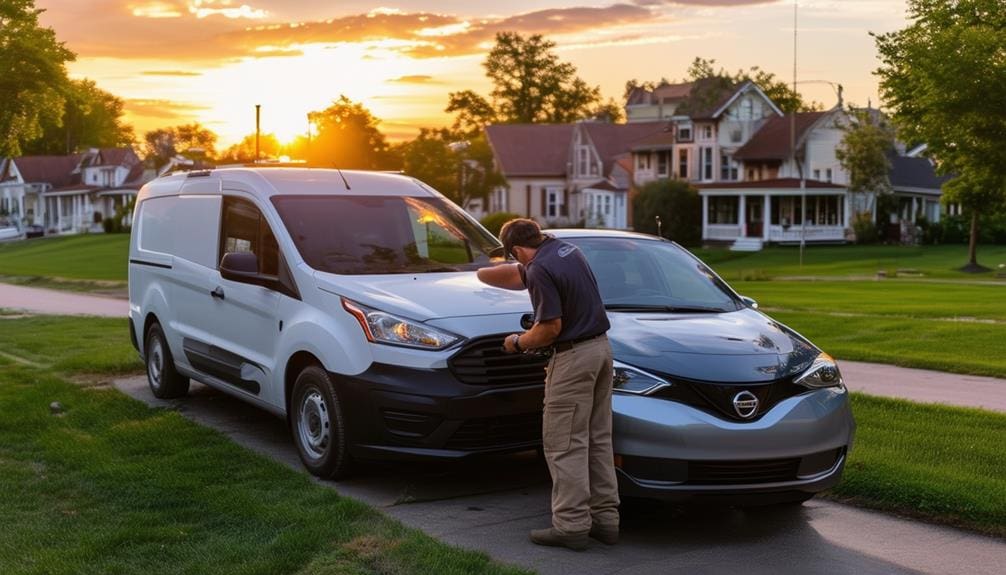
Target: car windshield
652, 275
385, 234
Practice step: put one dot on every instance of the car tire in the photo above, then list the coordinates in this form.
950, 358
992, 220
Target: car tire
164, 380
318, 425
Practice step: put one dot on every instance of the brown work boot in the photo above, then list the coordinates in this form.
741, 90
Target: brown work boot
554, 538
607, 534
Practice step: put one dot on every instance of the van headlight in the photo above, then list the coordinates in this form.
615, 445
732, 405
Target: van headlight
383, 327
628, 379
822, 373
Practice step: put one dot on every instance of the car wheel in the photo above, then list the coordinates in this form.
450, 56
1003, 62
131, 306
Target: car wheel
318, 425
165, 381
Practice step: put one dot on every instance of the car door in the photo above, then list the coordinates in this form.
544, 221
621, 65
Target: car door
238, 324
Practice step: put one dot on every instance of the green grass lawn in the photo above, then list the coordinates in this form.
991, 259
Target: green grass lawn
783, 261
100, 257
112, 486
935, 462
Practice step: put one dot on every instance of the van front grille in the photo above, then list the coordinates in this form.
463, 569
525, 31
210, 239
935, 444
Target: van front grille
482, 362
497, 432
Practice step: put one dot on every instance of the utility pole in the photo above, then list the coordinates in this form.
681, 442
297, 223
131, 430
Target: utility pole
792, 144
258, 108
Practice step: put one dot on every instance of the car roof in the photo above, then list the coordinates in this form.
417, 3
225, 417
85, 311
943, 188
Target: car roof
564, 233
267, 182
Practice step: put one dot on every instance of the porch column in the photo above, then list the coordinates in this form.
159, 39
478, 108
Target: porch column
766, 218
845, 210
705, 215
59, 213
803, 213
742, 216
915, 208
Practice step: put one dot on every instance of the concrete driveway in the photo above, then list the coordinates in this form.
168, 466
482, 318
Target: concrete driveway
490, 505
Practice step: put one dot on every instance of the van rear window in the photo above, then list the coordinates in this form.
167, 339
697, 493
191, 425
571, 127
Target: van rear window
384, 234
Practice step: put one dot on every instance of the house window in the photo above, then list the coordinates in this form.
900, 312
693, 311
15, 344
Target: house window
707, 133
581, 165
827, 175
553, 207
746, 106
607, 205
736, 135
643, 161
723, 209
752, 174
662, 163
685, 133
729, 170
683, 164
817, 175
707, 163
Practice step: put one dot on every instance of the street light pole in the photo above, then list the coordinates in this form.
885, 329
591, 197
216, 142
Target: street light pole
258, 108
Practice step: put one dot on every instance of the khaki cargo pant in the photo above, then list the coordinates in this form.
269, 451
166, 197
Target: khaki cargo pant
577, 437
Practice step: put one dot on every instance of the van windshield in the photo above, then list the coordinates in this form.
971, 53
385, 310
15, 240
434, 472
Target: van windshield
385, 234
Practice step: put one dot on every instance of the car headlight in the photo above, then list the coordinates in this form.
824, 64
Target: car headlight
822, 373
628, 379
382, 327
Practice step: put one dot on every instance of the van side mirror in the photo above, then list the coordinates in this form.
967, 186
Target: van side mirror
239, 266
749, 302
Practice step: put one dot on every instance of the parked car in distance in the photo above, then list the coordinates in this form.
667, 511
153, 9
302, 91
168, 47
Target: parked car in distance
346, 303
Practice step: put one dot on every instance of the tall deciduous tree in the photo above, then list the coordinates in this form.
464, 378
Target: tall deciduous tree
943, 76
460, 169
32, 75
864, 153
192, 141
244, 151
781, 93
530, 85
348, 138
91, 117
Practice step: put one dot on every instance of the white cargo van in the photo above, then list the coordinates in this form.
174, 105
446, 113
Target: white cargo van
332, 299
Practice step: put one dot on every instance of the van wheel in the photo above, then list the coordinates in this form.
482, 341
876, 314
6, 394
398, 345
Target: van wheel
165, 381
318, 425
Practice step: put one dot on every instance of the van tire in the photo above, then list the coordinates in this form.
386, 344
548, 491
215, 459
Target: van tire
164, 380
318, 425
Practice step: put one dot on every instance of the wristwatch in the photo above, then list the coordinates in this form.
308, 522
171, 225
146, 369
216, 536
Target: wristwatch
516, 343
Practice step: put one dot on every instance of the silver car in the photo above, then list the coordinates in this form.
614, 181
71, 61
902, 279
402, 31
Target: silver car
714, 399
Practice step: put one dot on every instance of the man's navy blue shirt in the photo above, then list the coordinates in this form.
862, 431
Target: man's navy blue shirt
561, 285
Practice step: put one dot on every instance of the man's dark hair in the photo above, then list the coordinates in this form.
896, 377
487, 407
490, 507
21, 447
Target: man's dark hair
520, 232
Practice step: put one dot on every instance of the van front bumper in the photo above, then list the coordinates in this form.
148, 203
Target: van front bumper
406, 413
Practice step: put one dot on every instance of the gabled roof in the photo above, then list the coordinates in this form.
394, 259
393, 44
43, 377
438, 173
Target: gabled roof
662, 140
914, 172
56, 171
611, 140
772, 141
531, 149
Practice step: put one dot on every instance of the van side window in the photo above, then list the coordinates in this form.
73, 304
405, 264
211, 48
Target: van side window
244, 229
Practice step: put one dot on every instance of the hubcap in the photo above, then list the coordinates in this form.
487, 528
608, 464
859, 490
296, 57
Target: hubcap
313, 425
155, 363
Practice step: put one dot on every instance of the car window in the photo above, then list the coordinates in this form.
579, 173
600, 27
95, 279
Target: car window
652, 273
384, 234
244, 229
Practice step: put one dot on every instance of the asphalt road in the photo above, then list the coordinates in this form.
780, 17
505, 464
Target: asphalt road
491, 505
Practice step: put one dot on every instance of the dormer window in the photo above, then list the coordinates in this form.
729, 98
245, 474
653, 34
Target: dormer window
684, 133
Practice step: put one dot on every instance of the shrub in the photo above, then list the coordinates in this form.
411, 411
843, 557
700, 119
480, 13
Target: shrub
679, 207
865, 228
494, 221
111, 226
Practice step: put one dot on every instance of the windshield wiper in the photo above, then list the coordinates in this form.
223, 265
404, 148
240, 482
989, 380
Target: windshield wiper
662, 308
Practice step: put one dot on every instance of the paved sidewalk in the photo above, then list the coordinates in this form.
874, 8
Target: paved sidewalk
925, 386
54, 302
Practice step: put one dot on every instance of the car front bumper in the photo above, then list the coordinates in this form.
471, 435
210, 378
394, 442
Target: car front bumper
668, 450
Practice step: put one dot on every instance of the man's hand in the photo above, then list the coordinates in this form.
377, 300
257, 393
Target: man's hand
509, 344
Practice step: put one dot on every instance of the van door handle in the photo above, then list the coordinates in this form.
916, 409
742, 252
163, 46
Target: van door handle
218, 293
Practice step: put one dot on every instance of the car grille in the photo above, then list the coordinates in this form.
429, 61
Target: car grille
717, 398
482, 362
497, 432
729, 472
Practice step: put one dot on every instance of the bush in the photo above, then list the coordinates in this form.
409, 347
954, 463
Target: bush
679, 206
865, 228
112, 226
494, 221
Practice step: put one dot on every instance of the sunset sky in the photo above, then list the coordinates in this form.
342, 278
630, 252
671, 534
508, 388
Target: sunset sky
175, 61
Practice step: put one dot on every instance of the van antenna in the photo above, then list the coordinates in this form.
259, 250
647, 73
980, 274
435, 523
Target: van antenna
343, 179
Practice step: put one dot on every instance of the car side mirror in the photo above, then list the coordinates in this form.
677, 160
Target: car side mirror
527, 321
239, 265
749, 302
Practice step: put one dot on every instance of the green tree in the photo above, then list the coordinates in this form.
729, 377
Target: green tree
943, 77
192, 141
864, 151
676, 203
32, 75
715, 80
244, 151
348, 138
530, 85
92, 118
460, 169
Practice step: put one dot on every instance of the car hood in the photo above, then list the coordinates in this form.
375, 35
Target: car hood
426, 296
739, 346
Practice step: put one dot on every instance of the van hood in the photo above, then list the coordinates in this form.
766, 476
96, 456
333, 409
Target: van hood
426, 296
739, 346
